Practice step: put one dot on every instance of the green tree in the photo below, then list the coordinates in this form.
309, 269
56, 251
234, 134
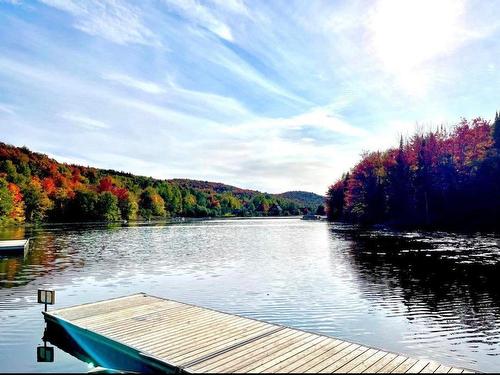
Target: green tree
10, 169
128, 207
36, 203
229, 203
320, 210
83, 206
261, 204
107, 207
151, 204
172, 196
189, 203
6, 202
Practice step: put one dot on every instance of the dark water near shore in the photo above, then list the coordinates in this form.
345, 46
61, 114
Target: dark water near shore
430, 295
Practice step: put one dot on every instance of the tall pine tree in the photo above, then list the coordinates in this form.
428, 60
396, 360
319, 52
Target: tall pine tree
496, 131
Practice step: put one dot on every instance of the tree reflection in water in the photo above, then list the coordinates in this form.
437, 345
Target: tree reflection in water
449, 282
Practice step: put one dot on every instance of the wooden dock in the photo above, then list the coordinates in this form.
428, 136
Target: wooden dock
142, 331
14, 247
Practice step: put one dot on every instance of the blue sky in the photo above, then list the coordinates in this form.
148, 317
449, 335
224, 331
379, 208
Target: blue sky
267, 95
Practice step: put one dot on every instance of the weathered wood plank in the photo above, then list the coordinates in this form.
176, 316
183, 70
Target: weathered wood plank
442, 369
391, 366
193, 335
116, 316
405, 366
431, 367
258, 358
273, 362
366, 363
332, 358
345, 360
174, 320
186, 330
159, 327
321, 357
308, 355
377, 366
96, 308
244, 352
230, 345
215, 345
417, 367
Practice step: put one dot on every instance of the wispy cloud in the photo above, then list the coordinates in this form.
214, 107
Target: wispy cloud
210, 18
7, 108
125, 80
322, 118
84, 122
115, 20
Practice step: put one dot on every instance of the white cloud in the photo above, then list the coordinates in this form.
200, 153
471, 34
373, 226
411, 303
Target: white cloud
319, 117
114, 20
83, 121
125, 80
204, 16
7, 108
233, 6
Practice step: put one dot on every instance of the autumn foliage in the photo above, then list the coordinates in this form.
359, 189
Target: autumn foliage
442, 178
35, 188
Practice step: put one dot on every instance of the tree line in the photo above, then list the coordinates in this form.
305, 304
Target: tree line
35, 188
445, 178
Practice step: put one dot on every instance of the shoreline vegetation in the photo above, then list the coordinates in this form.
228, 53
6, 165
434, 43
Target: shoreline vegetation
441, 179
36, 189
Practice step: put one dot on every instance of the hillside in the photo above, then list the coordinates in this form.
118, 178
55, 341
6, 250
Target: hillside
304, 197
36, 188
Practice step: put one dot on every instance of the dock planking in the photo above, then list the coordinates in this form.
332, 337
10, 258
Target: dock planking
14, 247
178, 337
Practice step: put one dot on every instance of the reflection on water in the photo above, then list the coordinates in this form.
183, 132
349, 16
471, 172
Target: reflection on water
425, 294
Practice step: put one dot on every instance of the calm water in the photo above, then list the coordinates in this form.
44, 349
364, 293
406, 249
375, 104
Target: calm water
429, 295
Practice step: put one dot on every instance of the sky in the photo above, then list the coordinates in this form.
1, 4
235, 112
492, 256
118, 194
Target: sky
267, 95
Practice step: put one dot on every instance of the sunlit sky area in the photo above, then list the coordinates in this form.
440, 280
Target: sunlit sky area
268, 95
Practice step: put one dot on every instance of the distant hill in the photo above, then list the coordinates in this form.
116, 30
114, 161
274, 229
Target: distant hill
36, 188
218, 187
302, 198
305, 198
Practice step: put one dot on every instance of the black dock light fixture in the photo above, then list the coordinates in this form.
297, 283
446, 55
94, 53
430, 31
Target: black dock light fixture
47, 297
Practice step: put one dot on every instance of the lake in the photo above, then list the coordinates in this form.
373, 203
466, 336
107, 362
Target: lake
431, 295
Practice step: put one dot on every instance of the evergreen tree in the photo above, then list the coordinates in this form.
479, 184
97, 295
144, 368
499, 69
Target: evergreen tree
496, 131
398, 181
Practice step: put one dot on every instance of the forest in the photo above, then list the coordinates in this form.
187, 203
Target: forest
36, 189
443, 178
